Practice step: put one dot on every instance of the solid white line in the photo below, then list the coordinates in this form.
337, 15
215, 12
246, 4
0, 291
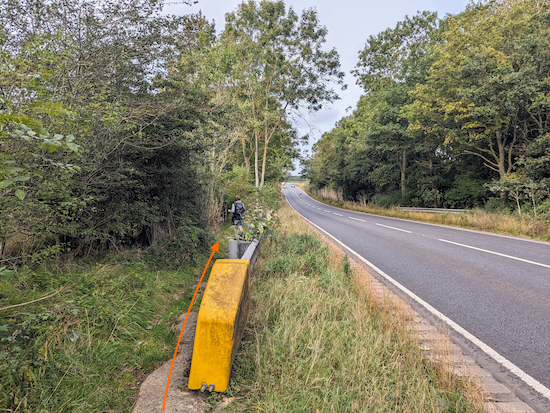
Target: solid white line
497, 253
533, 383
357, 219
397, 229
340, 215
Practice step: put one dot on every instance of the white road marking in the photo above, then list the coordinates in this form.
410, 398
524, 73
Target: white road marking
497, 253
319, 209
463, 229
397, 229
326, 211
357, 219
340, 215
530, 381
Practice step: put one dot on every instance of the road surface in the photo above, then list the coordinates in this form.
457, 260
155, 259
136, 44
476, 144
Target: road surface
492, 290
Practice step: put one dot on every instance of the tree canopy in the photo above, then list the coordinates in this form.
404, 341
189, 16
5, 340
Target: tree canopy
122, 126
455, 112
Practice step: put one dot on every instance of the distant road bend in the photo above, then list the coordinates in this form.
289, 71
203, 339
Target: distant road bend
492, 291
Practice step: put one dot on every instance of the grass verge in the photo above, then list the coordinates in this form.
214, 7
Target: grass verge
478, 219
88, 347
319, 340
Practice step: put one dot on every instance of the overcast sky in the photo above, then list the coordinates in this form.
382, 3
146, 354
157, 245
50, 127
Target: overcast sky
349, 24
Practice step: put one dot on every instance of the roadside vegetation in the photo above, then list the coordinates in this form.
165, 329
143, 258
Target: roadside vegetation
88, 347
124, 127
319, 340
125, 134
454, 114
82, 336
499, 221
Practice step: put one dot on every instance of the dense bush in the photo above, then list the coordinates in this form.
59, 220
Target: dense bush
130, 175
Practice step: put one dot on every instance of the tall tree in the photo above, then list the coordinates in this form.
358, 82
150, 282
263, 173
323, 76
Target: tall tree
390, 65
475, 96
279, 68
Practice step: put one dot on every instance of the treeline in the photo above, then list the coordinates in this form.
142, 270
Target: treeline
455, 113
123, 126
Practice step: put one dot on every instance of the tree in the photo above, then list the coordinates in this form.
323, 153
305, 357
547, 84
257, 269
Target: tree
389, 66
278, 68
475, 96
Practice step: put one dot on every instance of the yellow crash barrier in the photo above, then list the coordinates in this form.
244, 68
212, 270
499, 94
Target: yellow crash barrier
220, 325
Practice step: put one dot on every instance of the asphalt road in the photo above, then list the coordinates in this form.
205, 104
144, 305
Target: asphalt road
496, 288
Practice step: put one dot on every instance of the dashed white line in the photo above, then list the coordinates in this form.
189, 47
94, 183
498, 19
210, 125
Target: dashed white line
326, 211
340, 215
357, 219
496, 253
397, 229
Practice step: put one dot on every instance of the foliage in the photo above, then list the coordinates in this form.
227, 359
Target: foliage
146, 117
257, 221
261, 204
123, 168
276, 65
450, 107
371, 151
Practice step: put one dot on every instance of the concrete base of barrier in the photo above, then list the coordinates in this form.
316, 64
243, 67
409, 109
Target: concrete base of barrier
220, 325
237, 249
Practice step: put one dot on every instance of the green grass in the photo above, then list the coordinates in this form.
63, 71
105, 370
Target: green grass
88, 347
318, 341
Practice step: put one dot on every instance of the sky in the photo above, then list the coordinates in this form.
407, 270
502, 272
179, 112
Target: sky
349, 24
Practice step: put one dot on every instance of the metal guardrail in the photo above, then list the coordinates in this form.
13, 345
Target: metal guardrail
222, 317
434, 210
247, 250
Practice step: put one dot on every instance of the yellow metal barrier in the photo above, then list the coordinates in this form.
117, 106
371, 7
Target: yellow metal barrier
220, 325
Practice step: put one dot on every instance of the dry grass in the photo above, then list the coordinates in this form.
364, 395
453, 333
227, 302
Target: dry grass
478, 219
325, 338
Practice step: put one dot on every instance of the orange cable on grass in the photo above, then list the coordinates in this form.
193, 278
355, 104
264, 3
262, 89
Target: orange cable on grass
214, 248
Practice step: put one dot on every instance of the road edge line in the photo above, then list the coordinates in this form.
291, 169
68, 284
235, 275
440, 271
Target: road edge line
526, 378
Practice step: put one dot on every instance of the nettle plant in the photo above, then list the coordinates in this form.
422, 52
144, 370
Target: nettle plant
258, 220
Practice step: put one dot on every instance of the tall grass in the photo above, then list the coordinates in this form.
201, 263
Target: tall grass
320, 339
87, 348
478, 219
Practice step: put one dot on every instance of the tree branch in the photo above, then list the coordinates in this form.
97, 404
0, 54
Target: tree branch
491, 165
